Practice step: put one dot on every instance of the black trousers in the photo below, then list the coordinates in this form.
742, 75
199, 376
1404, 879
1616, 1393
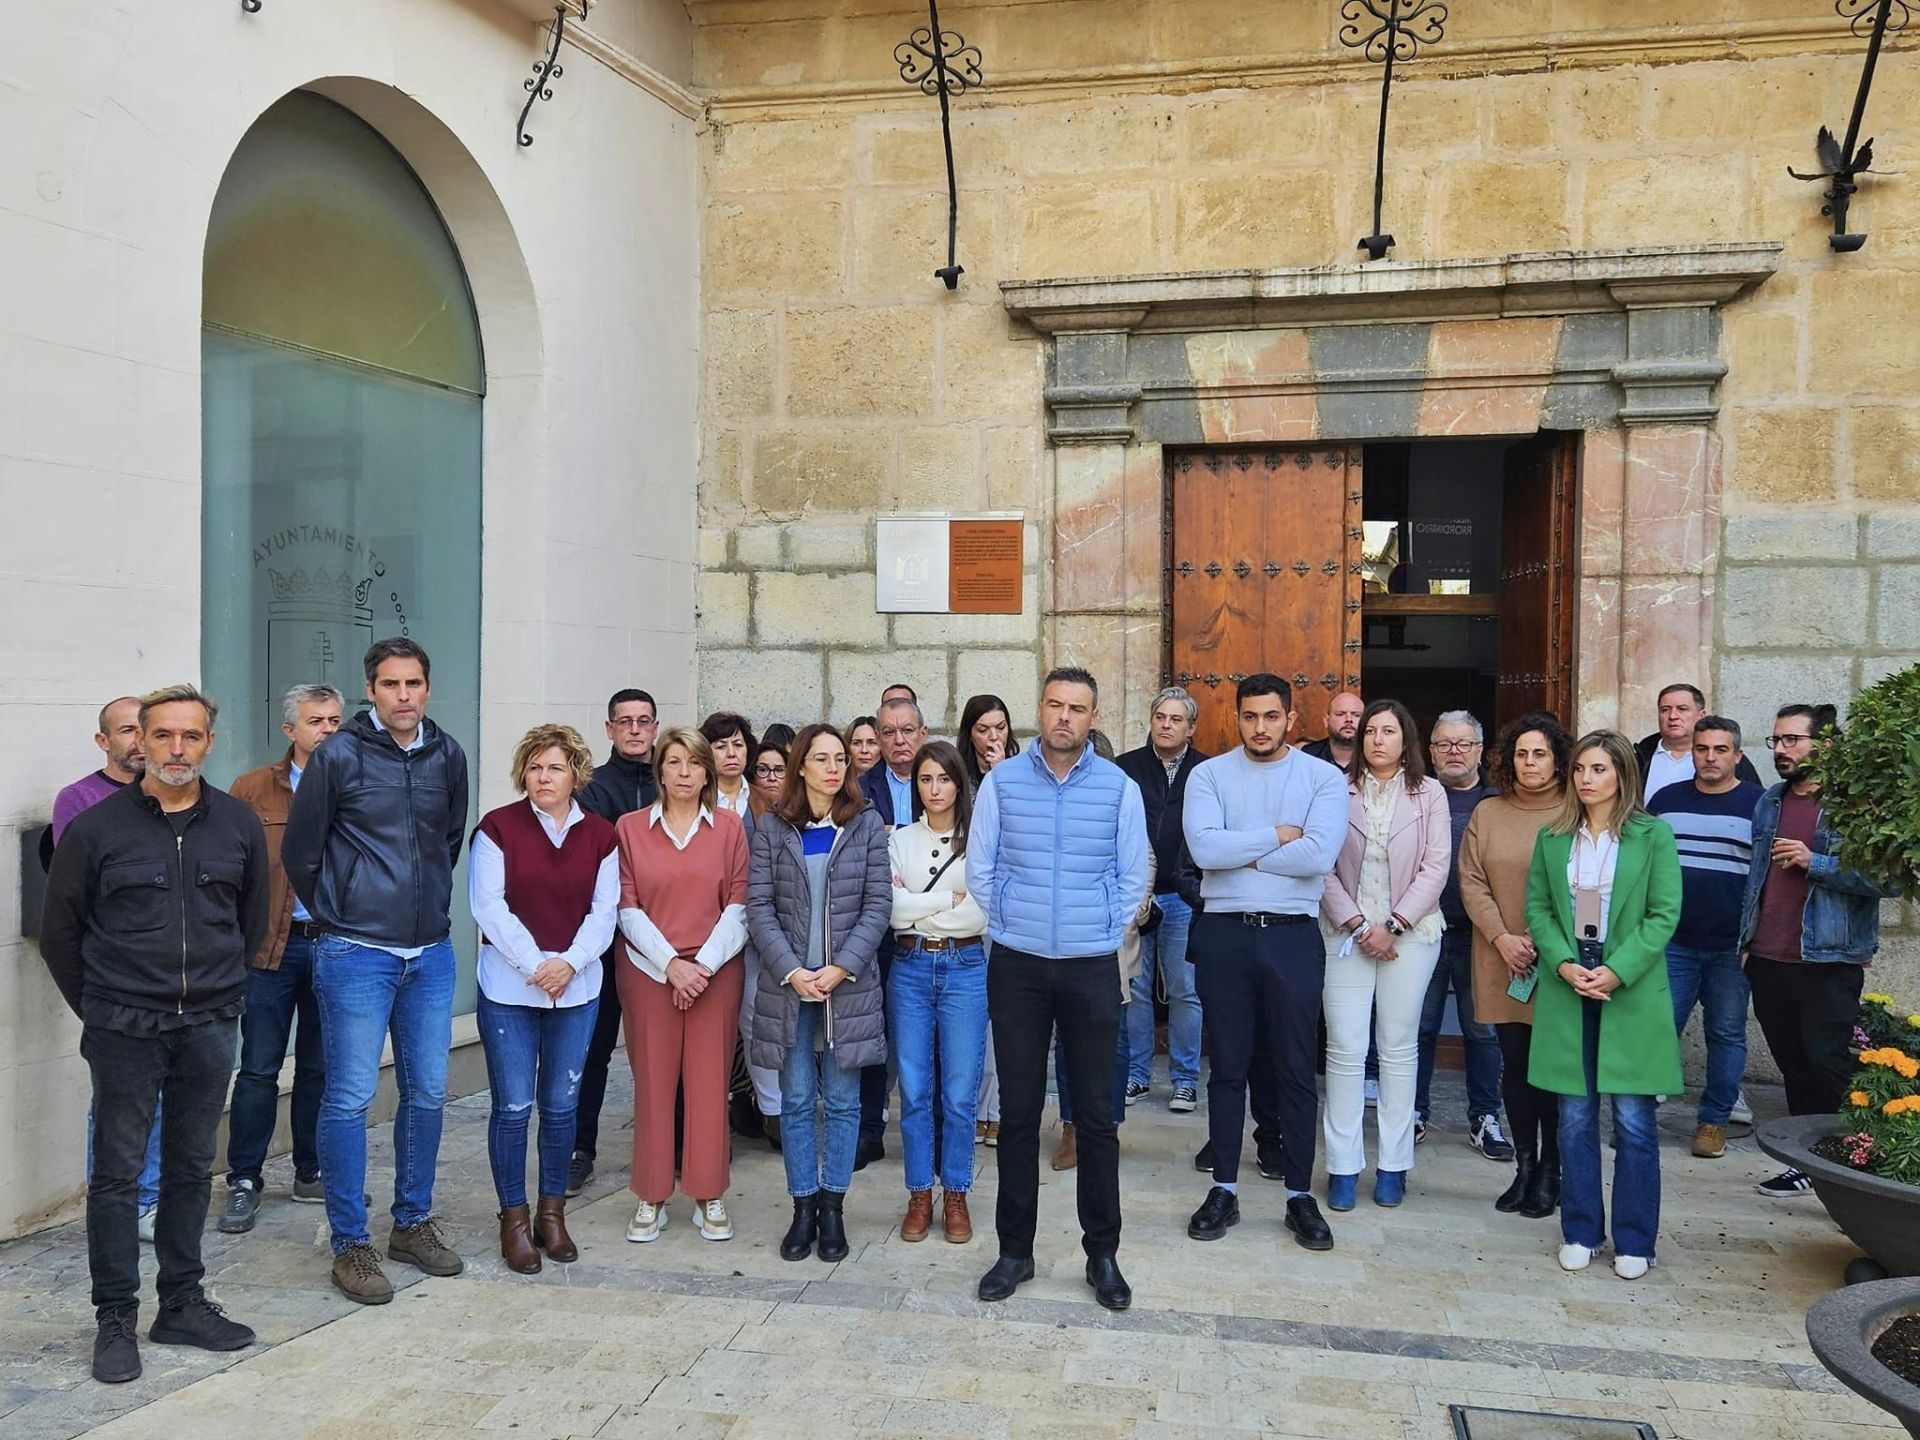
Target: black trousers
1532, 1114
593, 1077
1261, 983
1027, 996
1807, 1013
193, 1064
873, 1078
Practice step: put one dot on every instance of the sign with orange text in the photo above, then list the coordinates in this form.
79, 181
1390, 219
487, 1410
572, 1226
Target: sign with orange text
936, 566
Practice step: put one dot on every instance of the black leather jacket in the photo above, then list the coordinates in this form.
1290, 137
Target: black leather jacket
619, 787
374, 833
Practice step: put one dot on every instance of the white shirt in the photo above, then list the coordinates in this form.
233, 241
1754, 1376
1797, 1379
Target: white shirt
1590, 867
650, 950
508, 952
915, 852
1664, 769
737, 805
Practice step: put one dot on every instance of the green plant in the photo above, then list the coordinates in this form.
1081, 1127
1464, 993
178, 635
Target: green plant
1882, 1115
1880, 1023
1870, 782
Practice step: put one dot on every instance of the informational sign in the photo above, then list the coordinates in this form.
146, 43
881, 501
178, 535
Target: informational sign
948, 566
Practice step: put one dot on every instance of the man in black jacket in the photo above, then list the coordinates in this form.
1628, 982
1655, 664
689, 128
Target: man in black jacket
1666, 756
156, 901
372, 837
619, 787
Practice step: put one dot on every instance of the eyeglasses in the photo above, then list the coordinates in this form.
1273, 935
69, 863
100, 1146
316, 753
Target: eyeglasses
628, 722
769, 772
894, 732
1456, 747
1775, 742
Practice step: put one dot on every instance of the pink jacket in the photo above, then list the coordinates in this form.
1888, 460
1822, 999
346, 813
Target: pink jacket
1419, 852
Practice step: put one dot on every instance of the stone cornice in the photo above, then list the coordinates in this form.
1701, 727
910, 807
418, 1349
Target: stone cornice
1564, 282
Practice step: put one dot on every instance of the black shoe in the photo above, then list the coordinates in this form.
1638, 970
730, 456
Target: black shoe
579, 1173
1203, 1158
1271, 1161
1217, 1214
833, 1227
201, 1323
1110, 1287
743, 1116
116, 1348
1308, 1226
797, 1244
243, 1204
1543, 1190
1515, 1194
1006, 1276
867, 1152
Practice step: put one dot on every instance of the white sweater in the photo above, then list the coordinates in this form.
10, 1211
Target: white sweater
916, 852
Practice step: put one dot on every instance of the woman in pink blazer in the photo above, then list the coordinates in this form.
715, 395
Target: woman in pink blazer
1380, 917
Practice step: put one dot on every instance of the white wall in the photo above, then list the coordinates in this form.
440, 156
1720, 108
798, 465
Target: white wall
582, 251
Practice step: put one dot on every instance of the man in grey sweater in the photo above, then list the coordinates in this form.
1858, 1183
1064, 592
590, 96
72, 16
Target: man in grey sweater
1264, 823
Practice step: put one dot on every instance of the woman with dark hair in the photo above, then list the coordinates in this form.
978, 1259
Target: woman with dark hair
986, 736
819, 896
1380, 917
863, 744
1603, 898
731, 738
769, 772
936, 993
1530, 763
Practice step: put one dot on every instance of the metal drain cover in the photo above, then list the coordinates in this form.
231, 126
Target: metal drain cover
1472, 1422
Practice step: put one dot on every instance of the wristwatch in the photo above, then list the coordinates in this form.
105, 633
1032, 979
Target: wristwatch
1394, 927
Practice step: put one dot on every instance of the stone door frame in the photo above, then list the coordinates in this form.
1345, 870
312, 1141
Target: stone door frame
1622, 346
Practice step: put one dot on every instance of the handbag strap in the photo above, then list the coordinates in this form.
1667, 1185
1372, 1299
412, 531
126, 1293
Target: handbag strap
927, 889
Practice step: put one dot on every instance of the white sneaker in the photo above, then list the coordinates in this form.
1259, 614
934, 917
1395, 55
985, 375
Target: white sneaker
1742, 1112
1575, 1257
148, 1214
1630, 1267
711, 1217
648, 1221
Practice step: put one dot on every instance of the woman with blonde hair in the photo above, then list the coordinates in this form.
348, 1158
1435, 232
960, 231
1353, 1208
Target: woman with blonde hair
1603, 898
543, 883
683, 893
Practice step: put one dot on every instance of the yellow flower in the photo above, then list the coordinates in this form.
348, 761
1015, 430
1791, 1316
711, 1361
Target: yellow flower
1903, 1105
1897, 1061
1858, 1099
1874, 997
1914, 1021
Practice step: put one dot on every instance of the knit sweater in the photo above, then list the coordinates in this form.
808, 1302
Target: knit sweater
1494, 859
915, 853
682, 902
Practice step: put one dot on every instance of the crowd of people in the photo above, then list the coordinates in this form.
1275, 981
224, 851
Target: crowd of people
786, 927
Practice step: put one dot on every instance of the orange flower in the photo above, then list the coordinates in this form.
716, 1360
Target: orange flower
1897, 1061
1906, 1104
1858, 1099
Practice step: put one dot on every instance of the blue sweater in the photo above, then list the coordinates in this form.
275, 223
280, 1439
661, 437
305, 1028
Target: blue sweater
1059, 866
1715, 836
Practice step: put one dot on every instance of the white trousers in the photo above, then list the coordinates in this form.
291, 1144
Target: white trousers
766, 1083
1392, 993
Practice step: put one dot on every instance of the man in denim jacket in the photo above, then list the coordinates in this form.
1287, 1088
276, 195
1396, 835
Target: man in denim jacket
1809, 928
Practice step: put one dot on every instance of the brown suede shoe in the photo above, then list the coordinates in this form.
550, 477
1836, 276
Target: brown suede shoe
422, 1245
1067, 1155
953, 1208
358, 1276
516, 1241
1710, 1142
913, 1229
550, 1229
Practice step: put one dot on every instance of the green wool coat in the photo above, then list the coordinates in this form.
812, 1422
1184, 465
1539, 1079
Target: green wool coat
1639, 1051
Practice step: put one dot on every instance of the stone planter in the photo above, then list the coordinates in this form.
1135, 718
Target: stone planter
1842, 1328
1882, 1217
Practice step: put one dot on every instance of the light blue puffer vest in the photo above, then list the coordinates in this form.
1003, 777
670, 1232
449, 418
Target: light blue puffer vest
1055, 878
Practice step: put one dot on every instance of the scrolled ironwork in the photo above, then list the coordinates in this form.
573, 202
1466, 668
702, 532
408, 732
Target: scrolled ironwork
1388, 32
1860, 17
1843, 162
538, 85
941, 63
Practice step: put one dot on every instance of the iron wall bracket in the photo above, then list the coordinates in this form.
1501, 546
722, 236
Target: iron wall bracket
1844, 162
941, 63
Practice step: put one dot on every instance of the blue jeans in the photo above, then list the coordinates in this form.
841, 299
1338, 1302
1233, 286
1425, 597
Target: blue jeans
535, 1054
1636, 1162
1121, 1061
809, 1078
938, 994
366, 995
149, 1169
1455, 972
1166, 948
274, 997
1715, 979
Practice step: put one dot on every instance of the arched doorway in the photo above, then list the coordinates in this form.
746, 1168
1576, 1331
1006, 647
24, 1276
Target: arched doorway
342, 392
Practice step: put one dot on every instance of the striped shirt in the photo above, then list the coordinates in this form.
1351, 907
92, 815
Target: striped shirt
1715, 837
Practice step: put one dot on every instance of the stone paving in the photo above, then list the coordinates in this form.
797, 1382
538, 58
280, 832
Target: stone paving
1443, 1301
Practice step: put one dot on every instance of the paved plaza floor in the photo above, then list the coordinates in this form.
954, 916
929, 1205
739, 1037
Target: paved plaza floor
1441, 1302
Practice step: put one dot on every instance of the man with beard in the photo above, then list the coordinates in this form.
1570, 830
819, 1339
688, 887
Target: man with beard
1809, 927
1343, 725
621, 786
156, 902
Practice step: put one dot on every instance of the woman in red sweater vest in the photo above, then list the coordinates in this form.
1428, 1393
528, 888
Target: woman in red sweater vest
683, 892
543, 882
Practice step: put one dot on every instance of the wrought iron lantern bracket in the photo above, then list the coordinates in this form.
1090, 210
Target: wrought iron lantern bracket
1843, 162
941, 63
1388, 32
539, 84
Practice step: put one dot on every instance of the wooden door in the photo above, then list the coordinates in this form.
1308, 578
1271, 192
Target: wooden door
1537, 580
1263, 575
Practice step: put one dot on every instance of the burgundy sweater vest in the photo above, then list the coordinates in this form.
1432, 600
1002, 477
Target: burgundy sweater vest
549, 887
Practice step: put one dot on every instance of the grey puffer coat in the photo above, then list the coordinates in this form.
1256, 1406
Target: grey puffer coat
859, 910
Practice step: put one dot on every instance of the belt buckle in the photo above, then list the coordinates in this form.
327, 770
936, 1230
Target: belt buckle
1253, 919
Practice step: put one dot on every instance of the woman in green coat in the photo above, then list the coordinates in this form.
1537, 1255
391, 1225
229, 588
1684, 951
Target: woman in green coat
1602, 901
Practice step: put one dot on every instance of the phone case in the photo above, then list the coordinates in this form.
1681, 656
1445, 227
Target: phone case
1521, 986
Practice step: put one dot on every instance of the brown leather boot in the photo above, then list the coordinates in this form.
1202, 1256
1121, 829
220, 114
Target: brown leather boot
953, 1209
516, 1241
550, 1229
1067, 1155
913, 1229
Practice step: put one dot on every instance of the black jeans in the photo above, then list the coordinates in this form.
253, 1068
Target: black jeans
1261, 983
593, 1076
274, 998
1027, 995
1533, 1114
873, 1078
193, 1064
1807, 1013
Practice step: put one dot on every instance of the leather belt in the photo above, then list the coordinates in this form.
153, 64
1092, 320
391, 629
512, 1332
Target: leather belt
913, 940
305, 929
1261, 919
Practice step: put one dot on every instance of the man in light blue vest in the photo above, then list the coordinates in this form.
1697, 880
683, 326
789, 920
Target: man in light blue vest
1057, 857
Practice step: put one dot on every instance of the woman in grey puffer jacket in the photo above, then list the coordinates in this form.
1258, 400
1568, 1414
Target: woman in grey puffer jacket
819, 901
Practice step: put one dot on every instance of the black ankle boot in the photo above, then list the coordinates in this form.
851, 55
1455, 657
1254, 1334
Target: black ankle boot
1543, 1191
1525, 1162
833, 1227
798, 1243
